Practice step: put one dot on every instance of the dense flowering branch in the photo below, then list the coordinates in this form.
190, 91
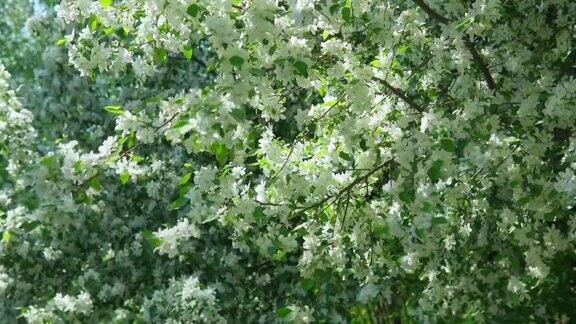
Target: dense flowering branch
296, 161
467, 43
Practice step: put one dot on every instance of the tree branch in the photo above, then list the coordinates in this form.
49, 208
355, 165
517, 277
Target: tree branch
467, 43
399, 93
348, 187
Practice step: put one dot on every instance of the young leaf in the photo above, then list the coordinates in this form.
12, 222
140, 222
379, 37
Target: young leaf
187, 52
124, 177
117, 110
106, 3
185, 178
160, 55
6, 236
151, 238
93, 22
178, 202
220, 151
463, 23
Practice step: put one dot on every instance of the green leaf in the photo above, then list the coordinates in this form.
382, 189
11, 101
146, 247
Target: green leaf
184, 190
49, 161
95, 183
117, 110
106, 3
239, 114
193, 10
463, 23
108, 30
187, 52
376, 63
407, 195
345, 156
347, 14
78, 165
301, 68
6, 236
236, 61
136, 158
178, 202
307, 284
108, 256
333, 8
283, 312
151, 238
29, 226
280, 255
381, 231
61, 42
437, 220
330, 103
131, 140
435, 171
220, 151
322, 90
185, 178
160, 55
124, 177
448, 145
403, 49
93, 22
259, 214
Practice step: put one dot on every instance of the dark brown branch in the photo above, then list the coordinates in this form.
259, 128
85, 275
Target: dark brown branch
480, 62
431, 12
417, 68
467, 43
348, 187
267, 203
399, 93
